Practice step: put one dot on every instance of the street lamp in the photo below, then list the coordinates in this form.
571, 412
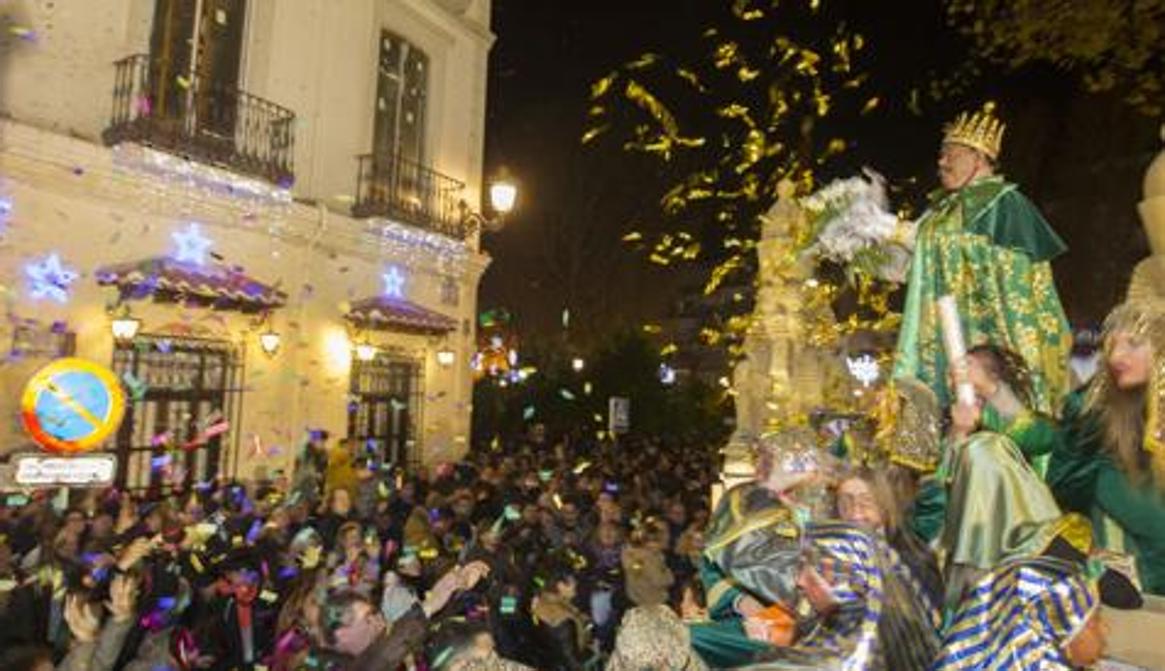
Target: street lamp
503, 195
446, 357
125, 326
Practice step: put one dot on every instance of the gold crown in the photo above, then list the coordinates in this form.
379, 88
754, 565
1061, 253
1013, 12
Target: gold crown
980, 130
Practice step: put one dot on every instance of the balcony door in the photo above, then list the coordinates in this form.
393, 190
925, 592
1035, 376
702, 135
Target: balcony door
196, 50
402, 83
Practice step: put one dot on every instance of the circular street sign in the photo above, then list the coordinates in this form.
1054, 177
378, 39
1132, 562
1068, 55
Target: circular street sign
72, 405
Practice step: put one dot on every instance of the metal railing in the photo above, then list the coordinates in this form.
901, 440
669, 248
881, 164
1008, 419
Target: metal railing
200, 120
399, 188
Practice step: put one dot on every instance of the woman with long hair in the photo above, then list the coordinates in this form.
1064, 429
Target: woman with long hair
872, 498
1109, 460
297, 630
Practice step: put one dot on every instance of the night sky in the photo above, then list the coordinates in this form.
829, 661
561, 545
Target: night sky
561, 250
1080, 157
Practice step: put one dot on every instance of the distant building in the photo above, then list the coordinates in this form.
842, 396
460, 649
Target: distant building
696, 357
222, 169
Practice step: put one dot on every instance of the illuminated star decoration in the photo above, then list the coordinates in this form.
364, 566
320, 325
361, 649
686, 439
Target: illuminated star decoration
394, 283
192, 245
49, 279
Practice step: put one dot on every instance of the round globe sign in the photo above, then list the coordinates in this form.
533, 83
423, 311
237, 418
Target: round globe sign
72, 405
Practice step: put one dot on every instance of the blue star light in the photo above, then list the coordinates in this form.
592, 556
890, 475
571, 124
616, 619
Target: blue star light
49, 279
394, 283
192, 245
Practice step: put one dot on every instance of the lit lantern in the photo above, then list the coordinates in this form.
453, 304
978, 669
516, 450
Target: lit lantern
269, 341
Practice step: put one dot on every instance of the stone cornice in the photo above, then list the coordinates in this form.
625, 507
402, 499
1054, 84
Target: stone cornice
467, 27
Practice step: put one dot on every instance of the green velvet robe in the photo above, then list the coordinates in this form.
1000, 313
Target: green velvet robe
1085, 479
987, 245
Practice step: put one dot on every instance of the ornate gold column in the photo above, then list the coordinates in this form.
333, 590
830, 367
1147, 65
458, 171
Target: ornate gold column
780, 376
1151, 271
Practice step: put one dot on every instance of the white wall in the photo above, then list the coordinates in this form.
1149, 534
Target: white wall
316, 57
61, 76
68, 197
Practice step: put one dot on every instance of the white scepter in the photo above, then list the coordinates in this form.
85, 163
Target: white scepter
948, 316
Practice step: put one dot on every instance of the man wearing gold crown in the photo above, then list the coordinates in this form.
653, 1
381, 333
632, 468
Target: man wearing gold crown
986, 244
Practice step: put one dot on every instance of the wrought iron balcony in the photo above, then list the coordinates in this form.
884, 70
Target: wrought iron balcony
396, 187
200, 120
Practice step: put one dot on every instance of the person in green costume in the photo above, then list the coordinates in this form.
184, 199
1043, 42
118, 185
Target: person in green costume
985, 243
1109, 459
1003, 389
786, 590
1003, 393
997, 507
752, 556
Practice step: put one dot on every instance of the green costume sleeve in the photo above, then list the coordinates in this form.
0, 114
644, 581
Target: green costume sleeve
719, 590
1085, 479
996, 209
1073, 468
1034, 433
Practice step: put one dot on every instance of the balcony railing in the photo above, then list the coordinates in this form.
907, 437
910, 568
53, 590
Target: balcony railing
396, 187
200, 120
